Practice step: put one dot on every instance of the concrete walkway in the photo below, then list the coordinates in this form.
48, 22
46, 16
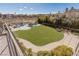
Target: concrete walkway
69, 39
4, 51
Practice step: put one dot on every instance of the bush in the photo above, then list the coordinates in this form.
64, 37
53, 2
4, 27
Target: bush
62, 51
43, 53
23, 48
26, 51
29, 51
59, 30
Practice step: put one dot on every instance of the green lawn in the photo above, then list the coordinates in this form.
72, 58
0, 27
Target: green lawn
40, 35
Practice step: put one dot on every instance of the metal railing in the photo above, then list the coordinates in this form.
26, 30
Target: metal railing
14, 48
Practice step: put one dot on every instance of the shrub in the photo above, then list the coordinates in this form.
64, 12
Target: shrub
23, 48
62, 51
43, 53
29, 51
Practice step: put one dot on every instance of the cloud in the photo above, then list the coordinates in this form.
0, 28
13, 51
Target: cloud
25, 7
21, 9
31, 9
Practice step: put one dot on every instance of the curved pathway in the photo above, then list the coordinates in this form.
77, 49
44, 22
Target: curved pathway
69, 39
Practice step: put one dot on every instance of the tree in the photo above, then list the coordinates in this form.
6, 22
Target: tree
75, 24
46, 19
66, 23
58, 22
66, 10
72, 8
62, 51
39, 20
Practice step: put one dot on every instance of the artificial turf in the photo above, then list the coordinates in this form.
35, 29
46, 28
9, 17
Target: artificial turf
40, 35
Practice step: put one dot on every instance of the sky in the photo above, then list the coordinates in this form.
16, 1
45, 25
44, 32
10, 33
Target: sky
35, 8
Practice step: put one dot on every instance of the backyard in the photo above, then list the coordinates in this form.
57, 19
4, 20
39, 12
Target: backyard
40, 35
